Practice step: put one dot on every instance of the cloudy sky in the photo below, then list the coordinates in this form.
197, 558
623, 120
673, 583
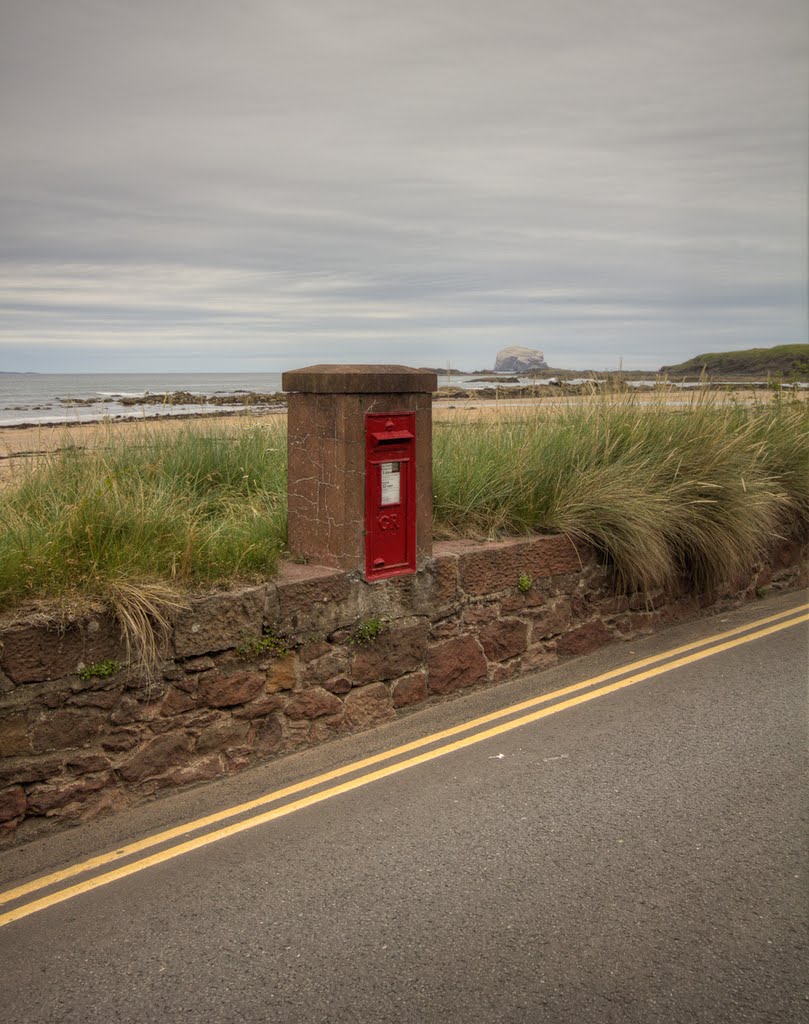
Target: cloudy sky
262, 184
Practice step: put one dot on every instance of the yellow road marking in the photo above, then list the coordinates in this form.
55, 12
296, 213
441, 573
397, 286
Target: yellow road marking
298, 787
346, 787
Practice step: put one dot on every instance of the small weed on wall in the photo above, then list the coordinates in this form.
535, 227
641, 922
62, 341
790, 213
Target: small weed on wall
267, 643
366, 632
100, 669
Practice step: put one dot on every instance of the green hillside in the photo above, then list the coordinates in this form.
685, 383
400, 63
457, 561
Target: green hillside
752, 362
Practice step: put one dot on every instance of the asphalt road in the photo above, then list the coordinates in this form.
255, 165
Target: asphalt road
639, 855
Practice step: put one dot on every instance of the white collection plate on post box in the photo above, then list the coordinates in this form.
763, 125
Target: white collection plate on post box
391, 488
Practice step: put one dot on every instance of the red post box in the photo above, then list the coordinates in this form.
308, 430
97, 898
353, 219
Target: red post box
390, 494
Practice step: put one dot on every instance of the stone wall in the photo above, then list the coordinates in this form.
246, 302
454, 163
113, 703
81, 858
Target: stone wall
262, 671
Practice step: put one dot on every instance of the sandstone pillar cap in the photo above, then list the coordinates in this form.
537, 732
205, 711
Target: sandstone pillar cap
358, 379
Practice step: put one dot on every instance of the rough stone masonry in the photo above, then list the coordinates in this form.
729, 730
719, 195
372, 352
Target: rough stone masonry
258, 672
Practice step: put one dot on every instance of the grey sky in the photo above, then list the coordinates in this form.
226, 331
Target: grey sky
189, 184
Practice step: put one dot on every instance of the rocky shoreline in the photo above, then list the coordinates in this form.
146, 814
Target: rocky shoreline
254, 399
542, 386
163, 405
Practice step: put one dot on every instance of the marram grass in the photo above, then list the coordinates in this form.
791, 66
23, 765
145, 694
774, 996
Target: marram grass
691, 492
665, 493
151, 515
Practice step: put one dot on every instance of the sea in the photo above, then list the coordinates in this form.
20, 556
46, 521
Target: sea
31, 399
43, 398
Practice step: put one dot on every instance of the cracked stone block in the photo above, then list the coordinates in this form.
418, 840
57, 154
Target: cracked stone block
36, 653
12, 803
499, 565
411, 689
313, 703
369, 705
584, 639
504, 639
67, 728
218, 622
395, 652
226, 691
455, 664
156, 756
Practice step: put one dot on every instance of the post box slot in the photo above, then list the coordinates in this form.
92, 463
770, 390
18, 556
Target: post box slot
394, 435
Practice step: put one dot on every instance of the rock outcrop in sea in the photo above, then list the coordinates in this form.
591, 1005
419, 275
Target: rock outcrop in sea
517, 359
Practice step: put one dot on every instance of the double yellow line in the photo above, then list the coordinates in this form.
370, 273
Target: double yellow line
639, 671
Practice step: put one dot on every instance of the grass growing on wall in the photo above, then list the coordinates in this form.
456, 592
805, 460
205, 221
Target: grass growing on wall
662, 491
138, 518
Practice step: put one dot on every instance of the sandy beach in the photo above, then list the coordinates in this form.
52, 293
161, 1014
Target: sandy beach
20, 447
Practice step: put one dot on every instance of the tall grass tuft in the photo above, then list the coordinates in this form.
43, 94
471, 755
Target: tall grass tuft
135, 521
666, 493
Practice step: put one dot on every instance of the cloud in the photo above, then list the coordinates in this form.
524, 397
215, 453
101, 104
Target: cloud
275, 180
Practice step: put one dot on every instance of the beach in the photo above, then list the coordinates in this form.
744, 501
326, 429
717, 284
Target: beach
24, 445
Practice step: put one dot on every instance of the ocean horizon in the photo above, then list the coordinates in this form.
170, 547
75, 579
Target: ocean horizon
43, 398
53, 398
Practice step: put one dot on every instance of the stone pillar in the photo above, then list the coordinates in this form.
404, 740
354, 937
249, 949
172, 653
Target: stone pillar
326, 456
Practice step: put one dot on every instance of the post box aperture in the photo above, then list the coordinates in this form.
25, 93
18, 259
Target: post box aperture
390, 494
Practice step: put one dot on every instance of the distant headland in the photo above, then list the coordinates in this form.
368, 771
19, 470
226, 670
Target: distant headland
740, 365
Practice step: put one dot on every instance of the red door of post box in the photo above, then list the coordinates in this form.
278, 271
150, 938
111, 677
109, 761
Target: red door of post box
390, 494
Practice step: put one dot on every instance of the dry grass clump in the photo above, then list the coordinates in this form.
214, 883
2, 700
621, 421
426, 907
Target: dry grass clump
665, 493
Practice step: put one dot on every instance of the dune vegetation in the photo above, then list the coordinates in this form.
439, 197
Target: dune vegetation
664, 492
689, 493
136, 519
